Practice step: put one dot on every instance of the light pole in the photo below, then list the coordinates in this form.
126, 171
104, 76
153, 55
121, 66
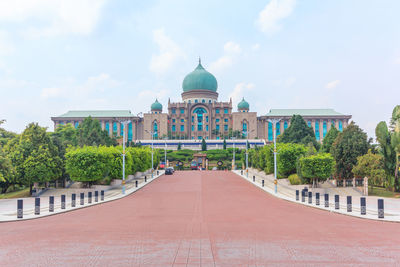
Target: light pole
152, 160
165, 153
274, 122
124, 123
233, 160
247, 151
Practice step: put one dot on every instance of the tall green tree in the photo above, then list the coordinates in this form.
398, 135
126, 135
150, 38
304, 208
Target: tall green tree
348, 146
299, 133
329, 139
224, 145
387, 150
91, 134
316, 167
7, 172
5, 135
203, 145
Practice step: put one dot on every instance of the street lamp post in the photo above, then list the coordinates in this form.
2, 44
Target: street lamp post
165, 153
274, 122
124, 123
247, 151
233, 160
152, 152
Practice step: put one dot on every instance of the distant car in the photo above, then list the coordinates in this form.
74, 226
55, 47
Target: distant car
172, 168
162, 165
193, 165
169, 171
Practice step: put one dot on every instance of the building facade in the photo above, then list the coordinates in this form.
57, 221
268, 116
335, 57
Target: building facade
200, 115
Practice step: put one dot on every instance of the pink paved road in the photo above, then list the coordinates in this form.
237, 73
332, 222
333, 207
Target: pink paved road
199, 219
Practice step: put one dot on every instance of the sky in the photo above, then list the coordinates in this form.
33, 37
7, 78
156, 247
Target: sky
61, 55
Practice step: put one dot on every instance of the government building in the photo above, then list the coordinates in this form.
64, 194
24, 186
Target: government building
200, 115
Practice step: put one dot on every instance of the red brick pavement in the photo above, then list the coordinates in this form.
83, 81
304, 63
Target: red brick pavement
199, 219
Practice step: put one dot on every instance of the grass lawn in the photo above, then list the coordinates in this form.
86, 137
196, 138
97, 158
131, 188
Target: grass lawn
16, 194
382, 192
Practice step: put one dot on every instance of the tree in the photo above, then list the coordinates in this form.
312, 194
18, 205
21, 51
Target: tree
329, 139
350, 144
299, 133
203, 145
316, 167
91, 134
224, 146
5, 135
6, 172
396, 141
370, 165
179, 146
387, 150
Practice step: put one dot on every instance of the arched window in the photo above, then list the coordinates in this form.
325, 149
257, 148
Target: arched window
324, 129
115, 128
155, 130
340, 125
270, 132
203, 101
317, 129
130, 134
199, 112
244, 128
278, 129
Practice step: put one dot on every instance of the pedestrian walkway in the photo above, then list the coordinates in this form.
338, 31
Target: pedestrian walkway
287, 192
8, 207
199, 218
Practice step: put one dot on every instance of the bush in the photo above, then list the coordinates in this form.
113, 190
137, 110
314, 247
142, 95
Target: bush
319, 166
294, 179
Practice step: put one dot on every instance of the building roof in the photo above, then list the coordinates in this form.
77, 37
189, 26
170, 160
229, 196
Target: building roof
96, 113
303, 112
156, 105
243, 104
199, 79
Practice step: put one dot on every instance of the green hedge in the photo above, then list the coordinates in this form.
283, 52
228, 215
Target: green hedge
320, 166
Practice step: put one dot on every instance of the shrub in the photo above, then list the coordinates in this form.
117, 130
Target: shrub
319, 166
294, 179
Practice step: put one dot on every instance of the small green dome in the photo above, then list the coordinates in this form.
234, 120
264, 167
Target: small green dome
156, 106
243, 104
199, 79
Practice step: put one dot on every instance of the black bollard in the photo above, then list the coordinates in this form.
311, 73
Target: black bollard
96, 196
102, 195
326, 201
136, 183
254, 179
82, 198
363, 206
317, 199
306, 191
303, 196
381, 212
20, 208
145, 178
337, 202
297, 195
73, 200
51, 203
262, 183
309, 197
241, 172
37, 206
89, 197
62, 201
158, 172
349, 202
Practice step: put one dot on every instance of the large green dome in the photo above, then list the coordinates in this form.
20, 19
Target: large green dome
199, 79
156, 106
243, 104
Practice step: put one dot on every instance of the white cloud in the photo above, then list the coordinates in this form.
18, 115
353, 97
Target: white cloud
56, 16
269, 18
255, 47
93, 84
169, 53
332, 84
397, 61
231, 51
239, 91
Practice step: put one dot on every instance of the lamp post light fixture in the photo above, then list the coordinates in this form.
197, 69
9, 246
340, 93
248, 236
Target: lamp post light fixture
124, 123
233, 159
274, 122
152, 152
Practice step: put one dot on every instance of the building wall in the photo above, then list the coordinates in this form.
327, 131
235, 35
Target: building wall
162, 124
250, 117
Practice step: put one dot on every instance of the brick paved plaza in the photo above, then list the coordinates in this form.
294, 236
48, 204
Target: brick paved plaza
199, 219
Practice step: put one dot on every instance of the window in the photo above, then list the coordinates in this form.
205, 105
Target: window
317, 130
77, 124
206, 118
173, 110
226, 127
333, 123
225, 110
270, 137
173, 128
192, 128
108, 127
199, 127
190, 101
155, 130
199, 137
182, 120
115, 129
192, 118
278, 129
207, 128
173, 120
324, 128
285, 125
130, 134
244, 129
182, 128
122, 130
217, 137
182, 110
196, 101
340, 125
217, 110
217, 120
309, 123
209, 101
217, 127
203, 101
225, 120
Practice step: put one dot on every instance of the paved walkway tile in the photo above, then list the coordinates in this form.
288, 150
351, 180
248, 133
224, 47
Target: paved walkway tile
198, 218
